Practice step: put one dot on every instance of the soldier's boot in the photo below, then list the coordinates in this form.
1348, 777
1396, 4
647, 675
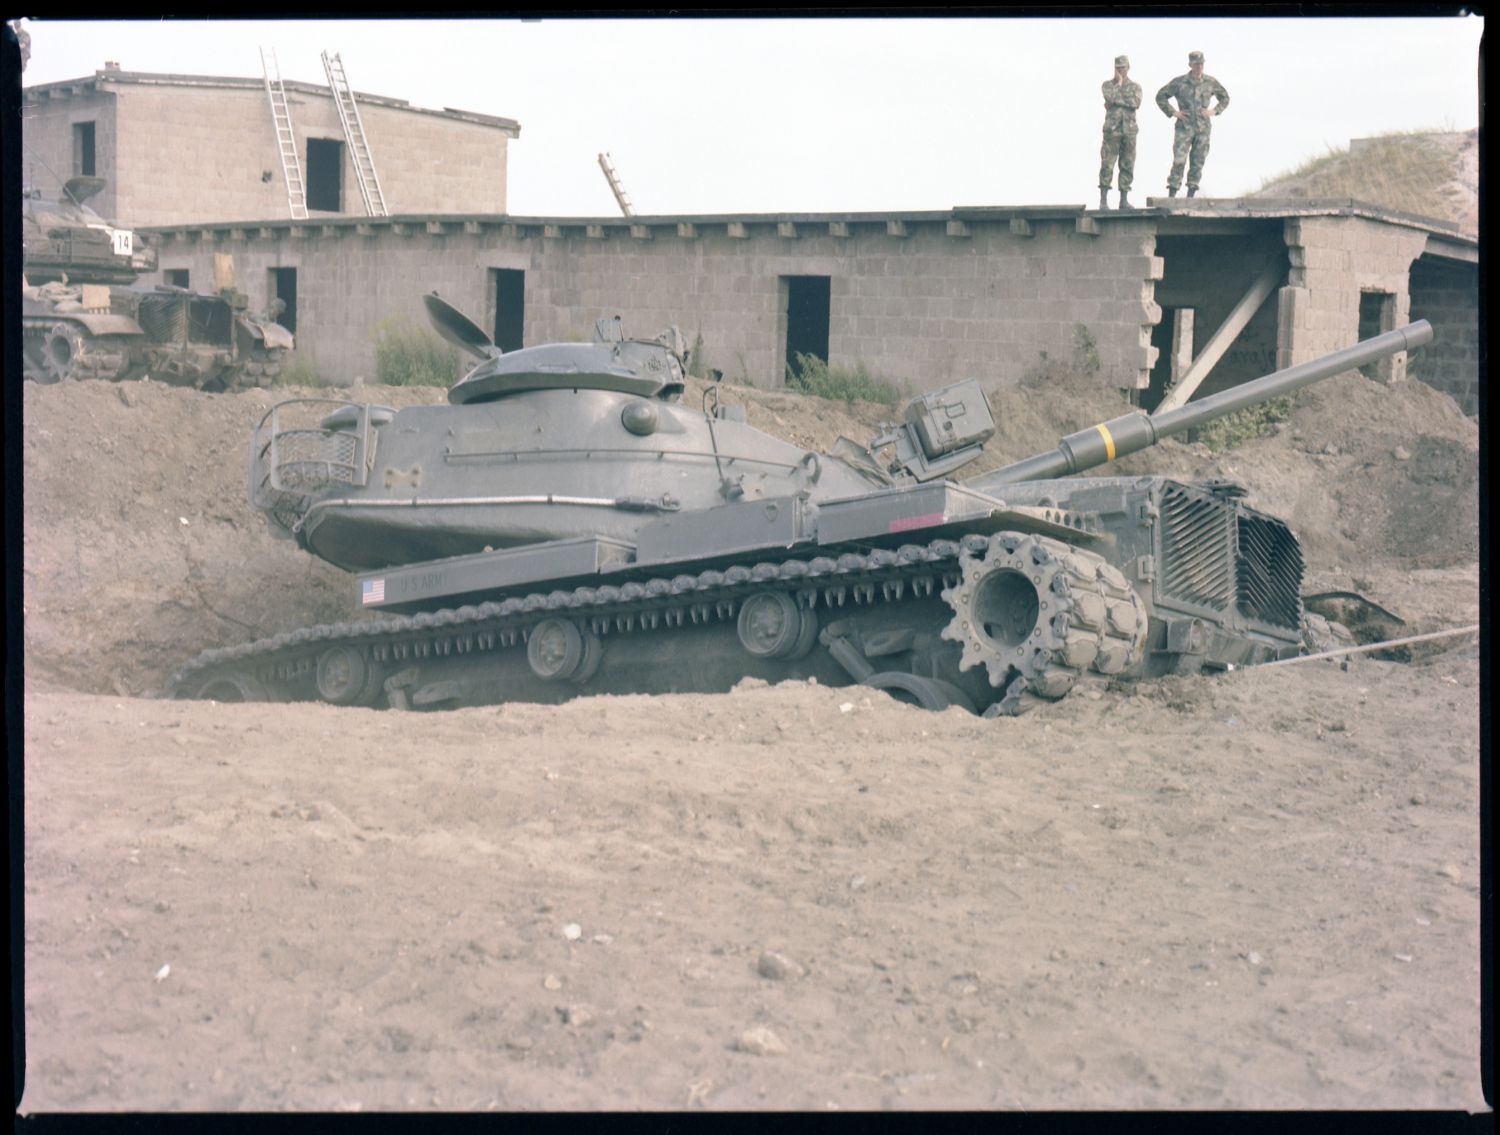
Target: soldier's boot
1192, 191
1103, 199
1171, 191
1125, 200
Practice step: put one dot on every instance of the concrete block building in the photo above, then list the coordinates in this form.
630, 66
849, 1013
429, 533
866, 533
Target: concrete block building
176, 149
930, 297
1205, 292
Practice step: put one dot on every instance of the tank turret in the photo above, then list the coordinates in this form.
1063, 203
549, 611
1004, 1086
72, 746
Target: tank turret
568, 523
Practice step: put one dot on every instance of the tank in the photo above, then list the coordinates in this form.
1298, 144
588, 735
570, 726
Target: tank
568, 524
83, 315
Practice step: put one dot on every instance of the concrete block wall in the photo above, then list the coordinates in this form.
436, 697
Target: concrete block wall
927, 307
185, 155
1446, 294
1332, 260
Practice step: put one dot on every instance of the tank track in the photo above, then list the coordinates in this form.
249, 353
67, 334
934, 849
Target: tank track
1079, 581
1088, 618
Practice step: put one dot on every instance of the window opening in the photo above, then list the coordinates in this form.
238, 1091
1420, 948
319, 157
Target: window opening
83, 149
176, 277
325, 175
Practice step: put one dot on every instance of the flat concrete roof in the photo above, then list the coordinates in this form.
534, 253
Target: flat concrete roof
1173, 217
102, 80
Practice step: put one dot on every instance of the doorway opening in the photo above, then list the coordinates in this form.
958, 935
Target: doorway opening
1377, 314
281, 288
510, 307
1173, 339
808, 308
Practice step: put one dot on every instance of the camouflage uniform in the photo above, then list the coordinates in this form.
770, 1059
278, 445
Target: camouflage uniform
1190, 139
1120, 103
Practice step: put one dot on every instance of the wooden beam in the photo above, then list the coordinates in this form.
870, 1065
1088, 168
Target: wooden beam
1224, 337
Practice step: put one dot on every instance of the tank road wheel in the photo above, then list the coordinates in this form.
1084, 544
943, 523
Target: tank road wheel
63, 352
230, 687
557, 650
1038, 613
771, 625
346, 677
913, 689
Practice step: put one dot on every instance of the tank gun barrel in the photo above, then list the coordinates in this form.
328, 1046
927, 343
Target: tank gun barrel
1130, 433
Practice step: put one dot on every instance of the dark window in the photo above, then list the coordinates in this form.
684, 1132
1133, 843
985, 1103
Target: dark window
83, 149
325, 175
176, 277
808, 306
510, 307
281, 284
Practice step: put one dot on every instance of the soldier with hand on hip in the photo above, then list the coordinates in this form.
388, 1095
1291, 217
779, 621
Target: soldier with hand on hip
1121, 98
1190, 136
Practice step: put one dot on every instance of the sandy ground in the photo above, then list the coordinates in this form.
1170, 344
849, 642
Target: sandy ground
1258, 890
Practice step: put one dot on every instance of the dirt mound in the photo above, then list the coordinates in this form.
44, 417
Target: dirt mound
1432, 175
141, 549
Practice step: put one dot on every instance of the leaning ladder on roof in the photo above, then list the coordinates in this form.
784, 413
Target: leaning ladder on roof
614, 184
286, 141
354, 131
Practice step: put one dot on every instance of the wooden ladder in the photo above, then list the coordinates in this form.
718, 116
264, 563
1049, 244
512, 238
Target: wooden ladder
354, 132
614, 184
286, 140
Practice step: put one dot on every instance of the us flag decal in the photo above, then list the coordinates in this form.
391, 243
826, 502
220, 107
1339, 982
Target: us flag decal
372, 590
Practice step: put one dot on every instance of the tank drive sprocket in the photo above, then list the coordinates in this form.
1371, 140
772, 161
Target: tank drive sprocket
1039, 614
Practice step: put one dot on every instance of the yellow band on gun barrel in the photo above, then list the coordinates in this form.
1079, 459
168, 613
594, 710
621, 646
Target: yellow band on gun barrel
1109, 442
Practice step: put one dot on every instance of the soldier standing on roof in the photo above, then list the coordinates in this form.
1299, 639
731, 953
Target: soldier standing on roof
1194, 115
1121, 98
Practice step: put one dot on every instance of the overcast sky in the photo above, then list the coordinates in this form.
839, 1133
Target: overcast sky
838, 115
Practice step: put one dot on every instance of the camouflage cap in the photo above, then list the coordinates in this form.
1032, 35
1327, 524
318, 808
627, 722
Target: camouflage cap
1195, 57
1122, 61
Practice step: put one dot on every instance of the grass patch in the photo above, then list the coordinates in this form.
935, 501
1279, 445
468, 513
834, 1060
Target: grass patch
813, 375
1407, 170
303, 371
408, 355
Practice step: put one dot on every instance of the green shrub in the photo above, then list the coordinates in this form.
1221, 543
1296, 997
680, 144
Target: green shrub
1223, 434
813, 375
1085, 351
407, 355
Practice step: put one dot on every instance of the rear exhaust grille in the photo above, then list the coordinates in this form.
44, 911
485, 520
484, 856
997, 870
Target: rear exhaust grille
1195, 548
1269, 572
